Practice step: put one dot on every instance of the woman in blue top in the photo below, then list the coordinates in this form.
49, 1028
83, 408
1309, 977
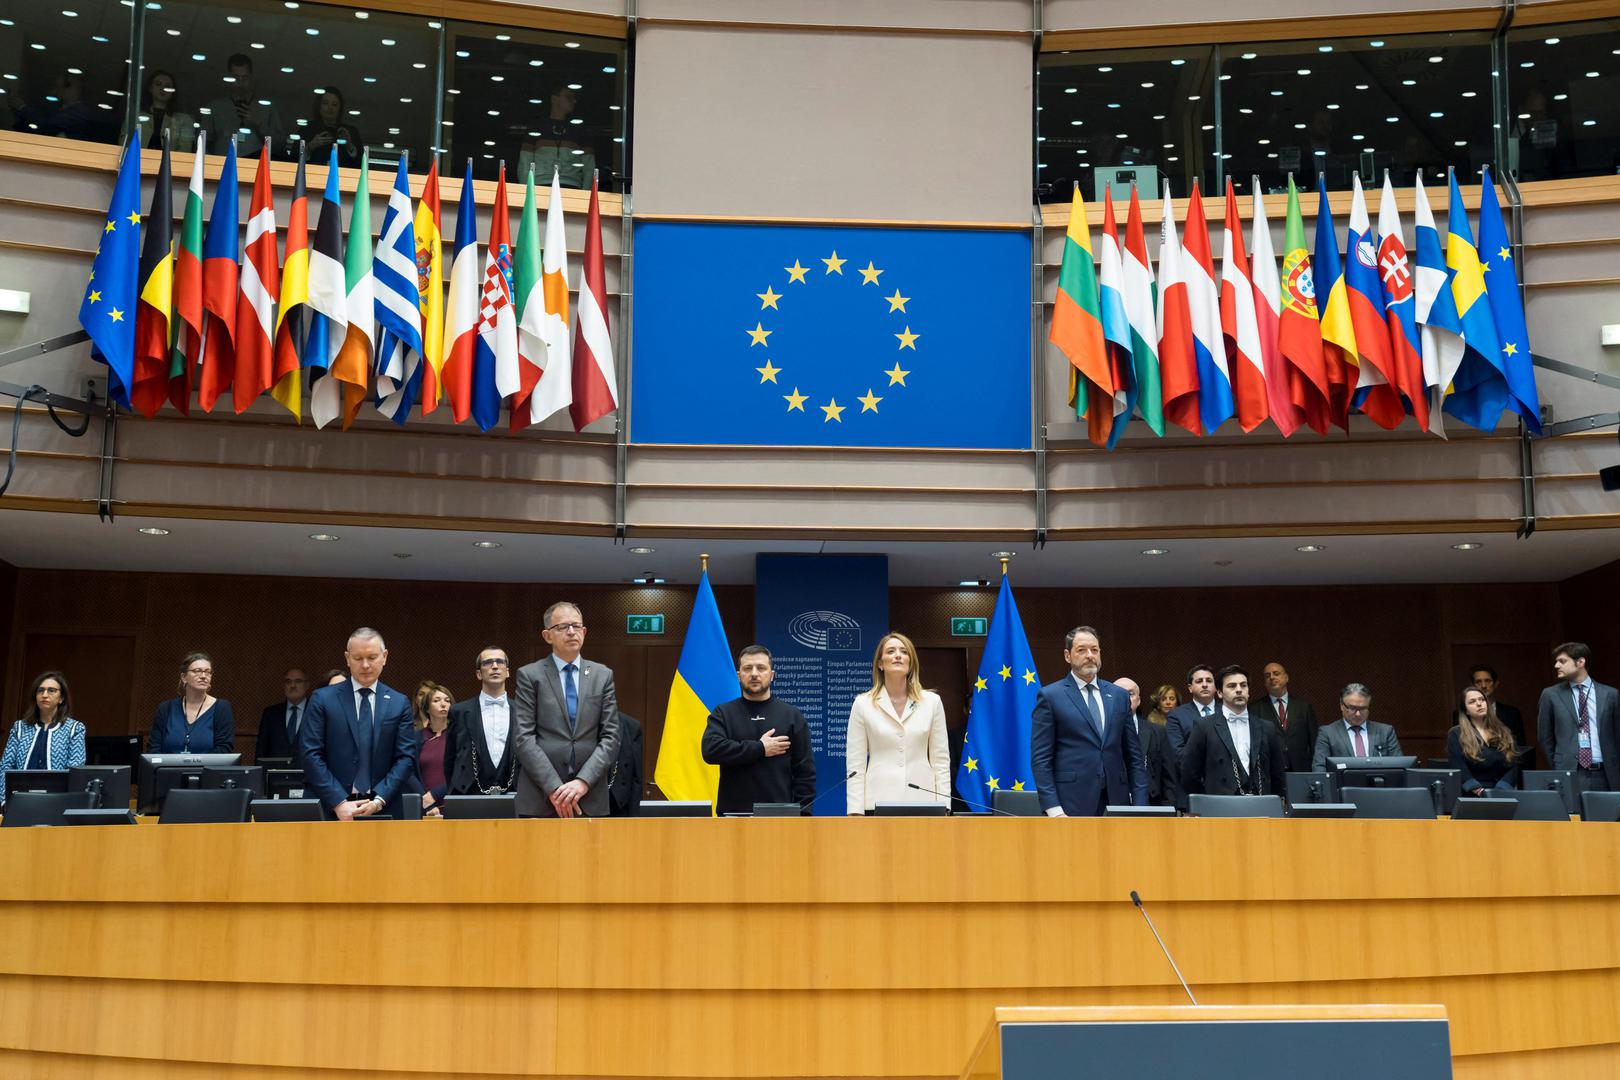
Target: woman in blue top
196, 722
47, 737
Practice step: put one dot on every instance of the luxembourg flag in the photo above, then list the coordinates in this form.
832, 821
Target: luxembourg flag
1215, 405
1178, 363
461, 310
398, 304
1375, 394
1395, 273
1240, 324
1440, 328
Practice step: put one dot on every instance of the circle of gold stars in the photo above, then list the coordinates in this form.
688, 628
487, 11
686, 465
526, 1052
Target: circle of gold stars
980, 685
798, 274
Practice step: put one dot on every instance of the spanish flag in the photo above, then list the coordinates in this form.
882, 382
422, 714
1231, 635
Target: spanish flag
705, 676
430, 286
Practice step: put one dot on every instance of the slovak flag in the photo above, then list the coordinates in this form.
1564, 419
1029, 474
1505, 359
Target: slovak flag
1400, 307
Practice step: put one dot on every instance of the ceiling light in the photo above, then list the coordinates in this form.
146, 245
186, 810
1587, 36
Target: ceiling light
647, 579
1250, 55
575, 86
571, 44
1437, 59
1310, 548
1408, 82
1324, 48
642, 550
1553, 40
503, 37
1155, 551
362, 14
153, 530
609, 70
1003, 554
1469, 94
324, 537
1177, 63
486, 545
1303, 71
1469, 545
1591, 74
1376, 44
1149, 86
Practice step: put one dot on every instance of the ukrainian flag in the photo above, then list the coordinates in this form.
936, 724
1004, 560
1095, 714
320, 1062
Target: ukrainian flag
705, 677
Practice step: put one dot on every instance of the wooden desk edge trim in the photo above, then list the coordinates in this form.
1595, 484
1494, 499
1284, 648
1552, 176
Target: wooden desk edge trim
1114, 1014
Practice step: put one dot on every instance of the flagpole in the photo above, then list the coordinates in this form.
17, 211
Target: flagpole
704, 561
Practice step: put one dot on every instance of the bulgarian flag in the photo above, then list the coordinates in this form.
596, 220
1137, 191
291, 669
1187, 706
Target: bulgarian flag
220, 271
1299, 332
154, 336
595, 392
256, 300
1077, 326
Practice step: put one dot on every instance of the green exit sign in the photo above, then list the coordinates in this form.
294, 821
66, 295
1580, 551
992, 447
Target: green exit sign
970, 627
644, 624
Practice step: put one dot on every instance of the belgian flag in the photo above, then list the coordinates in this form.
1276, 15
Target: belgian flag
153, 337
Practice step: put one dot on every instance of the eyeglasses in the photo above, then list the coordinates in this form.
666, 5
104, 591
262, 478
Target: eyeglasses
1359, 710
200, 671
49, 690
494, 661
566, 628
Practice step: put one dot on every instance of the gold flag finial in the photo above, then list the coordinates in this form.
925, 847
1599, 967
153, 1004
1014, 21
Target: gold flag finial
704, 558
1004, 562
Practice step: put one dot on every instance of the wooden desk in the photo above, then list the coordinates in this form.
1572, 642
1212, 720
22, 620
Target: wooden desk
775, 947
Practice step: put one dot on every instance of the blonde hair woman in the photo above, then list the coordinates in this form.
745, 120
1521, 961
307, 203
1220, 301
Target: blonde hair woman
897, 734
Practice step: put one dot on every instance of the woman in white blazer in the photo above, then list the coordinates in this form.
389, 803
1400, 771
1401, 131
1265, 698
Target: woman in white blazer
897, 734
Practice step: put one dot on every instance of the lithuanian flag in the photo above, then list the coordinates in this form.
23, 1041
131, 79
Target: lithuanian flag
1077, 325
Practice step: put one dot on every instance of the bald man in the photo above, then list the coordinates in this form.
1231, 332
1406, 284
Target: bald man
1163, 787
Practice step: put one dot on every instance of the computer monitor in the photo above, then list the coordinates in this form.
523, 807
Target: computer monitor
30, 808
1559, 780
1468, 809
1322, 810
42, 781
111, 750
778, 809
286, 809
677, 808
910, 809
1444, 784
478, 807
284, 783
107, 815
1371, 771
274, 762
155, 774
108, 783
1127, 811
1311, 787
249, 777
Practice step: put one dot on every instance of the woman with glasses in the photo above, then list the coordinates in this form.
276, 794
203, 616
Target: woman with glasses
196, 722
47, 737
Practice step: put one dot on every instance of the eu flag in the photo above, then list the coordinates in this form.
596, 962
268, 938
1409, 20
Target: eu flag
995, 751
1507, 307
767, 335
107, 312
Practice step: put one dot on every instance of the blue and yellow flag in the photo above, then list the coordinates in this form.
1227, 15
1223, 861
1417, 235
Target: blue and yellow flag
1507, 307
705, 677
107, 312
995, 751
1479, 388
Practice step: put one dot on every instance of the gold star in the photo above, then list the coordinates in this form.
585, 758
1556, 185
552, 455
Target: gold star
897, 302
759, 334
980, 684
1510, 349
768, 298
795, 400
1029, 677
971, 764
994, 784
1019, 786
869, 402
1005, 673
908, 339
92, 275
768, 372
896, 374
796, 272
833, 410
110, 226
95, 296
117, 316
835, 265
134, 218
1485, 267
869, 276
1505, 253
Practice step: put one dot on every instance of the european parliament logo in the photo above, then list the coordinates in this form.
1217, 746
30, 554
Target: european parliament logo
825, 631
813, 336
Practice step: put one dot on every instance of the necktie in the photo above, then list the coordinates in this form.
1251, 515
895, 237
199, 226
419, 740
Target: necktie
292, 723
1583, 756
1095, 704
1361, 746
571, 695
368, 734
1206, 710
1282, 714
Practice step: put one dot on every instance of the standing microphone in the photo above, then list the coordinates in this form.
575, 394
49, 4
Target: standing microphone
811, 805
1137, 900
964, 798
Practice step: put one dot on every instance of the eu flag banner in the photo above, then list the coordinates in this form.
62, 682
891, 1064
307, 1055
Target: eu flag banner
995, 750
772, 335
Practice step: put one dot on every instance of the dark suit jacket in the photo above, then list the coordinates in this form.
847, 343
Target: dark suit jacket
1163, 778
624, 791
1207, 761
1179, 722
550, 750
1299, 740
473, 769
273, 739
1513, 720
331, 743
1333, 740
1073, 767
1559, 728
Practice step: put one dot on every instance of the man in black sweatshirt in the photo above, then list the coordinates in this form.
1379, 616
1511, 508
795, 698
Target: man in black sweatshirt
761, 743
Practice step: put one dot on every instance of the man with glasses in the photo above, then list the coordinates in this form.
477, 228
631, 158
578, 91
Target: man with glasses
1356, 735
481, 732
566, 723
279, 723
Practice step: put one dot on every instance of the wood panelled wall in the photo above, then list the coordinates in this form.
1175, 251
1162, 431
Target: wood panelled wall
120, 636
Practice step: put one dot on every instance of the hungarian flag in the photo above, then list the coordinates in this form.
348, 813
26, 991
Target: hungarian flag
1077, 327
153, 337
1240, 325
528, 294
1178, 365
1400, 308
328, 303
461, 311
352, 366
1299, 330
430, 287
292, 315
1333, 306
1140, 310
188, 289
595, 390
256, 302
220, 286
1116, 328
1376, 395
1268, 314
495, 348
1215, 404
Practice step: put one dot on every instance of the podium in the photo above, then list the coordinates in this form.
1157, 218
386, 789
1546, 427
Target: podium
1252, 1042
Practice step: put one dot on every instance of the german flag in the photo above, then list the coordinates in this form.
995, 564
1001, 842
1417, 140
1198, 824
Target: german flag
153, 338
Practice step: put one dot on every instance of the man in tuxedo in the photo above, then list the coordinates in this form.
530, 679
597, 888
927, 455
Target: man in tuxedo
1200, 702
1164, 789
357, 740
1483, 676
1579, 721
624, 788
279, 723
481, 732
1083, 745
1293, 716
1233, 752
566, 717
1354, 734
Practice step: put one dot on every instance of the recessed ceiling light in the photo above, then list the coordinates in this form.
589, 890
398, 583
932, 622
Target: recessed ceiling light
486, 545
642, 550
1155, 551
1469, 545
1310, 547
1003, 554
971, 583
153, 530
647, 579
324, 537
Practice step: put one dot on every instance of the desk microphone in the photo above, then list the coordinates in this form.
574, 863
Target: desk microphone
811, 805
964, 798
1137, 900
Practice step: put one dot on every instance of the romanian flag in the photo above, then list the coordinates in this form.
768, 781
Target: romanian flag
529, 295
430, 286
188, 289
1376, 394
1215, 405
220, 287
1299, 329
1240, 324
256, 300
461, 312
1507, 307
1333, 303
1268, 316
1178, 365
1479, 387
154, 337
1140, 309
291, 316
352, 366
705, 676
1077, 326
595, 391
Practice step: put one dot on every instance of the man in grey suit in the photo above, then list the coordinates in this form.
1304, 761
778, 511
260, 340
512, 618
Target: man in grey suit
1579, 722
1354, 735
567, 723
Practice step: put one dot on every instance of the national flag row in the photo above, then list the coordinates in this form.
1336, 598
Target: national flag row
1388, 331
266, 312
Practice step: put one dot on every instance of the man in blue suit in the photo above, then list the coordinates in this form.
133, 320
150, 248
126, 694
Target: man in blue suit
357, 741
1083, 744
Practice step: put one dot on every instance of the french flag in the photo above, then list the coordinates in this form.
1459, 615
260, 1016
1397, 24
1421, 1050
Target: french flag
1215, 405
461, 310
